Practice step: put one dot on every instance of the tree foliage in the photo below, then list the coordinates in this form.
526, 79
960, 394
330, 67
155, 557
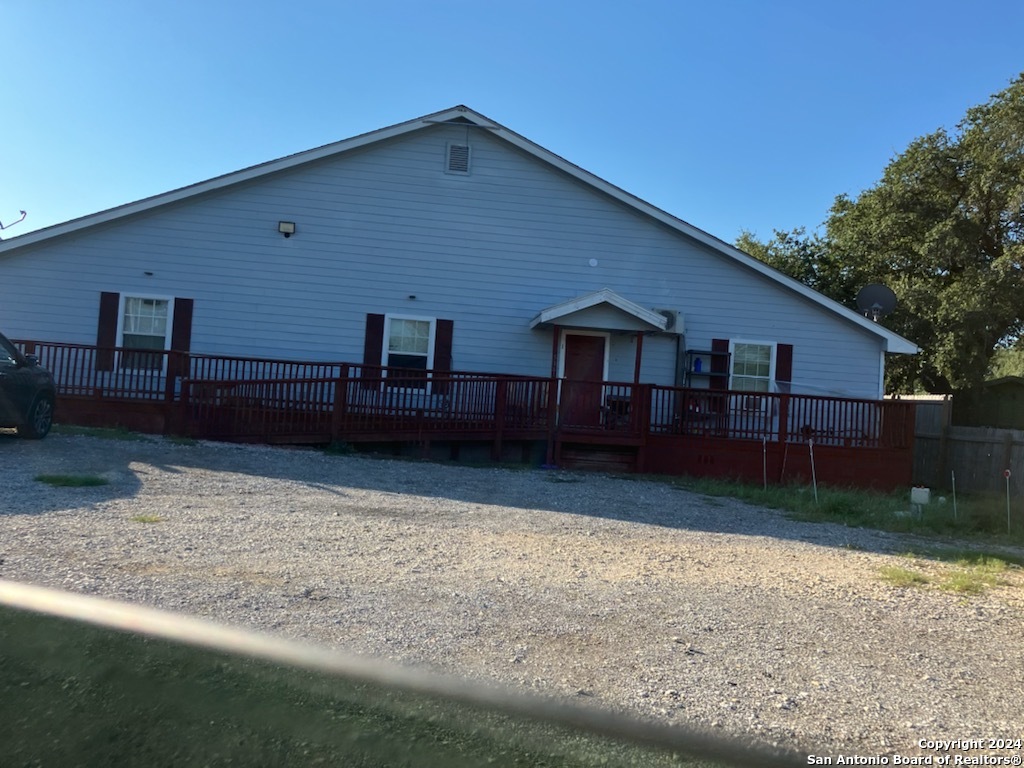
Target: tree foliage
944, 228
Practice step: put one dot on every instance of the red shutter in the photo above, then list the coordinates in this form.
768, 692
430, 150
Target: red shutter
719, 364
373, 343
181, 331
181, 337
443, 332
783, 367
106, 330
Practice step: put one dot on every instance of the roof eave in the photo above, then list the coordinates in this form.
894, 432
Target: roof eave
239, 177
892, 342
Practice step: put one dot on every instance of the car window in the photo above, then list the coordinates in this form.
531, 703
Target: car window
7, 356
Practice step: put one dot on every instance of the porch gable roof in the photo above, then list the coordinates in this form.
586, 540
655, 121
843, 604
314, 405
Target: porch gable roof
572, 313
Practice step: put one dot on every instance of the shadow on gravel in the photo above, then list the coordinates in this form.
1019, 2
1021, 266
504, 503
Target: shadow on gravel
22, 461
126, 464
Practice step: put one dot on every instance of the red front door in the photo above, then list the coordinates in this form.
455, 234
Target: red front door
584, 374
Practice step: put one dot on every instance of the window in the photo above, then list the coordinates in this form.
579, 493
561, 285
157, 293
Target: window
409, 346
144, 326
753, 366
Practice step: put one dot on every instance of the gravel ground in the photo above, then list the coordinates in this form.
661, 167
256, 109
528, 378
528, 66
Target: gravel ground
626, 593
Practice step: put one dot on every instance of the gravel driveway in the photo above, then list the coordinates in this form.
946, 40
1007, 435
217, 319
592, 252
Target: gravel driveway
629, 593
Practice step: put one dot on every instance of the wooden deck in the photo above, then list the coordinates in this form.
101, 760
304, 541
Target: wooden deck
759, 437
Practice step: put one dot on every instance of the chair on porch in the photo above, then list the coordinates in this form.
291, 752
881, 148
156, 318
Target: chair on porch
615, 414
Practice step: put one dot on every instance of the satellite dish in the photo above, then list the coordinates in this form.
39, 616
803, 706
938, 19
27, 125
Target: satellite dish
876, 300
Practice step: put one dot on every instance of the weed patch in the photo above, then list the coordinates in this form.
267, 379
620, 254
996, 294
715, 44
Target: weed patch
180, 440
72, 481
980, 518
147, 519
105, 433
967, 582
966, 573
902, 577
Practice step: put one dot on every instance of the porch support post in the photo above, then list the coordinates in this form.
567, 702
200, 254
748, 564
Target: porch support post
556, 332
639, 356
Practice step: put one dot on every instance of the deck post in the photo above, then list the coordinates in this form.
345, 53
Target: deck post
185, 408
500, 402
340, 404
552, 409
783, 432
643, 395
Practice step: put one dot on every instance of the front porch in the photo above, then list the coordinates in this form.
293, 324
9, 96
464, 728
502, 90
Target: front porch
627, 426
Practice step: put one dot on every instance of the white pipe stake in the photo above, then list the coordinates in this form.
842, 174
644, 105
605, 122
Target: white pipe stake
764, 461
1006, 474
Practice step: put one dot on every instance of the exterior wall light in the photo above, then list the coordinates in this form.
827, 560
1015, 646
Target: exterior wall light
286, 228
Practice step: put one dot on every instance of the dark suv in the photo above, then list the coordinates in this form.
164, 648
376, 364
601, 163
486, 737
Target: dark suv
27, 393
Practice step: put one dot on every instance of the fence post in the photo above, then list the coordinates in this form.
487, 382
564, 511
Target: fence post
947, 412
340, 405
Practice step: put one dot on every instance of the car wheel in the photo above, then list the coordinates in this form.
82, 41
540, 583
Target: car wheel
40, 419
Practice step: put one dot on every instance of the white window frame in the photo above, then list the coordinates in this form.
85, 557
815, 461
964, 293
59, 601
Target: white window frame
431, 340
754, 402
773, 347
167, 336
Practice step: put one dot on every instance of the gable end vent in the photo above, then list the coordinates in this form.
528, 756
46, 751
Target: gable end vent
458, 158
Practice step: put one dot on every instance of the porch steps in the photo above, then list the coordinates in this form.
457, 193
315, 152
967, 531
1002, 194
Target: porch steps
619, 459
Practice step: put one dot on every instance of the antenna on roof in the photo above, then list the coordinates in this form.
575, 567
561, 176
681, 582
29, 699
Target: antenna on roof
4, 226
876, 300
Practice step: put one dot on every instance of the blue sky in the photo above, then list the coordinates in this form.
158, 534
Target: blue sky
731, 115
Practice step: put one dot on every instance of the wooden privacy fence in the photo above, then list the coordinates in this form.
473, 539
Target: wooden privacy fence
766, 437
977, 456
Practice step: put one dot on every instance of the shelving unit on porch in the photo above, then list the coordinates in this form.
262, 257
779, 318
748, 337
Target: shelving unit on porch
706, 367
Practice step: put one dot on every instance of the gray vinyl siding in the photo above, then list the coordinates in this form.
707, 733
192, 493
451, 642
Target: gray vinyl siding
375, 226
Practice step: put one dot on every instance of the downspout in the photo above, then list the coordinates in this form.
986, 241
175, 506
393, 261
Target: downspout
680, 377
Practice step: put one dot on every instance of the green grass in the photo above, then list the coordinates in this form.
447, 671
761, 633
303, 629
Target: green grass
967, 582
902, 577
105, 433
72, 694
181, 440
982, 519
72, 481
965, 573
147, 519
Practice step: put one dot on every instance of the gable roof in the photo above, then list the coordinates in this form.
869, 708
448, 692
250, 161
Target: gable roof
563, 313
892, 342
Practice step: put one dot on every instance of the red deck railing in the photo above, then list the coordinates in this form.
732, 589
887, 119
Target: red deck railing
235, 398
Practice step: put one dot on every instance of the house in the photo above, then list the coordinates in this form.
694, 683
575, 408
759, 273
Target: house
449, 217
446, 243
